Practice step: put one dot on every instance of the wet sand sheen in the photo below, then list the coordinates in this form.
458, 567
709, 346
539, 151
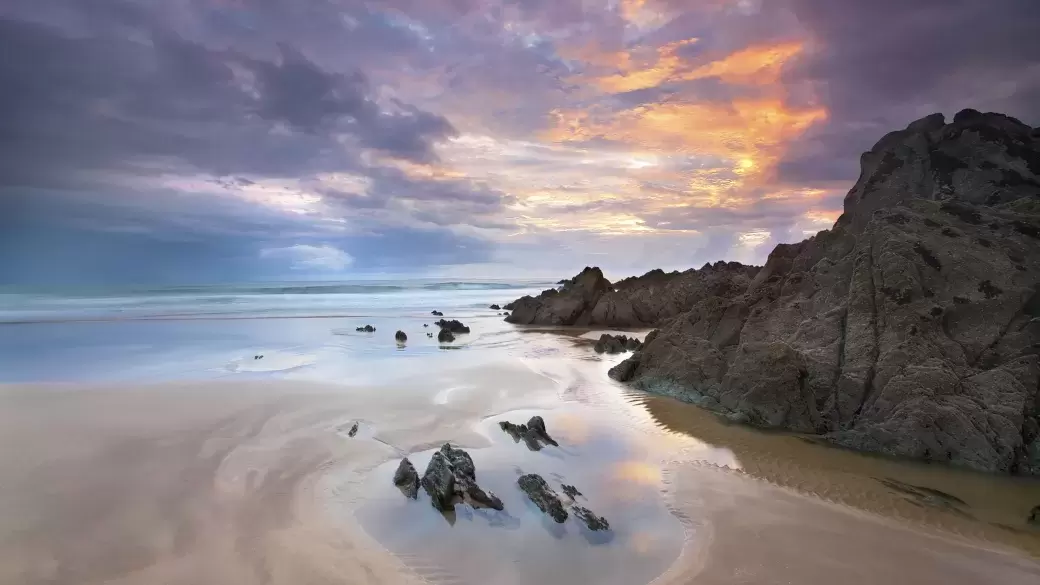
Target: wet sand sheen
258, 483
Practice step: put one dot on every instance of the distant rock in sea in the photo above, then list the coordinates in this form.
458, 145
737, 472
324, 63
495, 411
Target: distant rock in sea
437, 313
495, 307
454, 326
366, 329
445, 336
400, 337
910, 328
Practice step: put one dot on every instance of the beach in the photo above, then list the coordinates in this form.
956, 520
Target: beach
153, 445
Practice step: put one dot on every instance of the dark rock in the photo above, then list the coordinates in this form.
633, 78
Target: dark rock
366, 329
454, 326
570, 491
407, 479
1034, 515
445, 336
439, 482
608, 343
353, 430
451, 477
592, 521
495, 308
827, 338
425, 324
437, 313
543, 496
533, 434
400, 337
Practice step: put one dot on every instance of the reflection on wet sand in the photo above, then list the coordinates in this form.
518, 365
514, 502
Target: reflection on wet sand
980, 507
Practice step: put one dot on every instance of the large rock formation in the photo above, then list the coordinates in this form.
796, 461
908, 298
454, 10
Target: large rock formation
911, 328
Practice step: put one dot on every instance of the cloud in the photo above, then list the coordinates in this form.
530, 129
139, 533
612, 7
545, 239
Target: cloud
307, 257
242, 139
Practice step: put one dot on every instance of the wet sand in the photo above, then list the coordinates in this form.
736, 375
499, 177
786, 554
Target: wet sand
258, 482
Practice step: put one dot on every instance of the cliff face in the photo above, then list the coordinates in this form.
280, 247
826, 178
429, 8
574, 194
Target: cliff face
910, 328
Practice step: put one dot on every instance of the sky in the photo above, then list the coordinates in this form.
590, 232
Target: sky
185, 141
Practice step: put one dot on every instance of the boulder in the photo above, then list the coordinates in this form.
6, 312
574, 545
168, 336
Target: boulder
533, 434
366, 329
407, 479
543, 496
608, 343
910, 328
454, 326
495, 308
445, 336
592, 521
451, 477
400, 337
437, 313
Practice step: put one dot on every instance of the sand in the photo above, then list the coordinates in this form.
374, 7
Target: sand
253, 483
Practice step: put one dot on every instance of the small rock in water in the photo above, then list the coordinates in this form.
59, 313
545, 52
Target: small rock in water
429, 335
425, 324
407, 479
450, 476
543, 496
533, 434
400, 336
366, 329
495, 307
571, 491
353, 430
445, 336
591, 520
1034, 515
455, 326
437, 313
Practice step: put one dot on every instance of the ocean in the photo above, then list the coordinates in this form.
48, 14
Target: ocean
302, 330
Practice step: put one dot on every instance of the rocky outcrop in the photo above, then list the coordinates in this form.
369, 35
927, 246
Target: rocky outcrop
644, 301
495, 308
533, 434
437, 313
608, 343
406, 478
911, 328
451, 477
543, 496
455, 326
365, 329
589, 519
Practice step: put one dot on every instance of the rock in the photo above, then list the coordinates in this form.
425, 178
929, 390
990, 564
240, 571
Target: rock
451, 477
407, 479
437, 313
425, 324
592, 521
439, 482
1034, 515
910, 328
617, 344
353, 430
495, 308
431, 335
454, 326
366, 329
543, 496
570, 491
445, 336
533, 434
400, 337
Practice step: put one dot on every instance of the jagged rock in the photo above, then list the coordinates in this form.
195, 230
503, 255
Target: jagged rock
407, 479
445, 336
592, 521
570, 491
454, 326
366, 329
451, 477
400, 337
437, 313
543, 496
353, 430
608, 343
911, 328
533, 434
495, 308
